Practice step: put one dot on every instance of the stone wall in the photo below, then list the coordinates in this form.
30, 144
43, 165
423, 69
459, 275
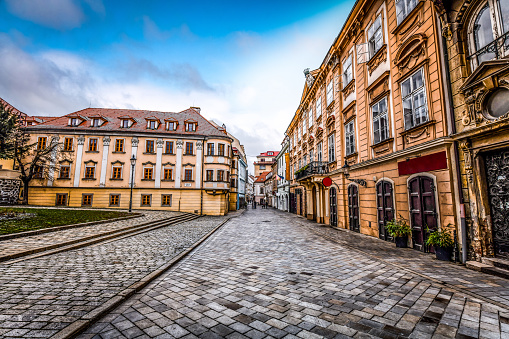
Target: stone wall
9, 191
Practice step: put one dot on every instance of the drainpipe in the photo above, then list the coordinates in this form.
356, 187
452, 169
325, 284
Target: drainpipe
459, 185
202, 171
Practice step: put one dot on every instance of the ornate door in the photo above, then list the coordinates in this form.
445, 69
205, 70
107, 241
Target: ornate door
497, 173
293, 203
385, 208
353, 208
333, 207
423, 214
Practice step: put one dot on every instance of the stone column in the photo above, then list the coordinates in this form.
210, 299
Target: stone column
318, 203
178, 163
199, 150
51, 168
79, 159
134, 150
104, 163
159, 162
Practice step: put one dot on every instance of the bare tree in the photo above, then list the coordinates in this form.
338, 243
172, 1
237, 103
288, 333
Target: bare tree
9, 122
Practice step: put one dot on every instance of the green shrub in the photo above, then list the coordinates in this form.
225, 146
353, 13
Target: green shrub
440, 238
398, 227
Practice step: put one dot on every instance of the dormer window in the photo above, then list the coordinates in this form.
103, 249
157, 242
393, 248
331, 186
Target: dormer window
171, 125
270, 153
191, 126
125, 123
96, 122
152, 124
74, 121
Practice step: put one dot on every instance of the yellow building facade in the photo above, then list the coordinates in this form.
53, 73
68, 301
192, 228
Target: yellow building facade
183, 162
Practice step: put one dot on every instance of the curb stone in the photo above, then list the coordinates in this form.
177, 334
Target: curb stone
88, 319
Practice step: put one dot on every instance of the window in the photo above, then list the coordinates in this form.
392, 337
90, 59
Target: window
232, 183
234, 164
210, 149
190, 126
305, 159
68, 144
318, 107
188, 175
332, 152
169, 147
350, 138
124, 123
119, 145
310, 118
146, 199
171, 125
41, 143
152, 124
75, 122
114, 199
270, 153
220, 149
262, 167
414, 100
61, 199
210, 175
166, 200
380, 121
227, 176
96, 122
38, 171
189, 148
319, 152
330, 92
403, 8
86, 200
311, 157
147, 173
149, 146
89, 171
116, 172
220, 175
347, 71
491, 22
375, 37
92, 145
168, 174
64, 172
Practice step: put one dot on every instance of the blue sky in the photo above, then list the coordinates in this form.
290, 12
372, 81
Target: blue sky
240, 61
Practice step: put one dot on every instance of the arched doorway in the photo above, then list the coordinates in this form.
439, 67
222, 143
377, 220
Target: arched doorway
313, 200
385, 207
353, 208
333, 207
423, 211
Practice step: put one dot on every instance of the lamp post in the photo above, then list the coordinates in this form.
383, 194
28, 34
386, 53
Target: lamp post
133, 162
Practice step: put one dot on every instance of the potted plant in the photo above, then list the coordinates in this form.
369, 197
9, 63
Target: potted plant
442, 241
399, 229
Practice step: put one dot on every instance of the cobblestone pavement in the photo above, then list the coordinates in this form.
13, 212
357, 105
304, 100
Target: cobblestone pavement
41, 296
12, 246
267, 274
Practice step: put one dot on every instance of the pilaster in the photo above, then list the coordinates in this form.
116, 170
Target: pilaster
199, 159
79, 159
134, 151
104, 163
159, 161
178, 163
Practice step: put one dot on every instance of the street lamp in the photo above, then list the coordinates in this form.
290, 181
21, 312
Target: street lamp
346, 173
133, 162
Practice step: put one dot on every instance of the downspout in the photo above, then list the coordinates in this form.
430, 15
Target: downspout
459, 185
202, 171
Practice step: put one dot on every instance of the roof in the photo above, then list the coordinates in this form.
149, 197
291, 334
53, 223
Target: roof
274, 153
14, 109
114, 116
262, 177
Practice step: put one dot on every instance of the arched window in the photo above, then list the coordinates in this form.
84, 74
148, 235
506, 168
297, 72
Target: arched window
488, 32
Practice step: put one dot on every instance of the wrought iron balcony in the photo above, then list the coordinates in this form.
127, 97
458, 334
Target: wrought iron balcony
313, 168
497, 49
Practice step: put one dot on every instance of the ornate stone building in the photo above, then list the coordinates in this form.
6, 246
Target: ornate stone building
476, 33
375, 118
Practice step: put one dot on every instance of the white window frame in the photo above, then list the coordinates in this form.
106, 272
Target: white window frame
403, 8
124, 122
310, 117
95, 122
375, 44
377, 121
347, 71
319, 154
319, 107
350, 138
152, 124
332, 147
113, 166
330, 92
411, 96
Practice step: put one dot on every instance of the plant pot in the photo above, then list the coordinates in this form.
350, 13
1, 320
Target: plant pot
443, 253
401, 242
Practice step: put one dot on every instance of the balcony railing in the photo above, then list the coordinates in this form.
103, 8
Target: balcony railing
497, 49
313, 168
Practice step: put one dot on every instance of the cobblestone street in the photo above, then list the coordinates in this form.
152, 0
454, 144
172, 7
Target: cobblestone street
39, 297
271, 274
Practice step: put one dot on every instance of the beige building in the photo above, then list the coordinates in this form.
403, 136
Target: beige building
374, 118
182, 161
264, 162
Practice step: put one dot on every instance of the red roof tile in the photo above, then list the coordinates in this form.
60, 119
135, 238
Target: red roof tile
262, 177
266, 154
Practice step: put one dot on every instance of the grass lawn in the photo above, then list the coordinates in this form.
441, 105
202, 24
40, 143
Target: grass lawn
45, 218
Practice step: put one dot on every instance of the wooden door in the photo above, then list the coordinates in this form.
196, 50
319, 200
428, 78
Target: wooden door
353, 208
385, 208
423, 213
333, 221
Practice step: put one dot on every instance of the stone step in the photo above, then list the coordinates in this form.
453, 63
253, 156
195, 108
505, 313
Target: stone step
488, 269
497, 262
